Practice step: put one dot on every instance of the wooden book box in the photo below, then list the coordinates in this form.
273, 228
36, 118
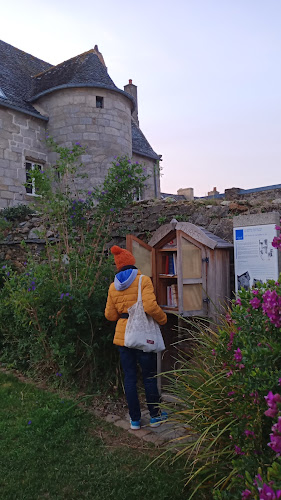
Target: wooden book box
190, 271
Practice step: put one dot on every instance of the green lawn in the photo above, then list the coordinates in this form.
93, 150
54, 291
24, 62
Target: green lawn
50, 449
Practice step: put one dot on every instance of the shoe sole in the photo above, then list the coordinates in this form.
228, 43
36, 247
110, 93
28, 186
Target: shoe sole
157, 424
135, 428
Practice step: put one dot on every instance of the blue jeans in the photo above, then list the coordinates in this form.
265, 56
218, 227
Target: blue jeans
148, 363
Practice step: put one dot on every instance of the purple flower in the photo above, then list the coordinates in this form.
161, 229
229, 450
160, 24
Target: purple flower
4, 267
271, 412
117, 164
29, 422
238, 355
213, 352
255, 303
58, 374
77, 144
62, 295
238, 302
267, 493
249, 433
231, 393
272, 307
275, 443
238, 450
246, 494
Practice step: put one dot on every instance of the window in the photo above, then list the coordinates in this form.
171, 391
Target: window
99, 102
138, 195
30, 181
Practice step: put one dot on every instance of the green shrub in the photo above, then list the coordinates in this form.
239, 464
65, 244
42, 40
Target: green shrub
221, 395
16, 213
52, 314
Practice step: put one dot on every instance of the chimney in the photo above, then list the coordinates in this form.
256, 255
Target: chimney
99, 54
132, 89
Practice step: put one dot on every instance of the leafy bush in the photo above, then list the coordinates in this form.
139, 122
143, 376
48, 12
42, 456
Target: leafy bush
16, 213
52, 314
227, 397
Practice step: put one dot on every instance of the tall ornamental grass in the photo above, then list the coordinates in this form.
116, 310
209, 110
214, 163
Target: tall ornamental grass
228, 397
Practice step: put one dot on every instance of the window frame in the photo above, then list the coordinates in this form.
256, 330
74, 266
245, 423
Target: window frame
99, 100
31, 180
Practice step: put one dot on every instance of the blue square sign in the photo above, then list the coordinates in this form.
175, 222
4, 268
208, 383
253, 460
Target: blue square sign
239, 234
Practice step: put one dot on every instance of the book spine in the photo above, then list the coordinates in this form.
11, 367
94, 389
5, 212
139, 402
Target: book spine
174, 292
171, 265
175, 262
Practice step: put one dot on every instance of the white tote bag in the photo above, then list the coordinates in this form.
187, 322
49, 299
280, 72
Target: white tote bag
142, 331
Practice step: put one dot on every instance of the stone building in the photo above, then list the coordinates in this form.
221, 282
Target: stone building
74, 101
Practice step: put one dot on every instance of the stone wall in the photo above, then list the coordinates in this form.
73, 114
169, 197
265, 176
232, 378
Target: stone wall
142, 219
22, 137
152, 189
73, 116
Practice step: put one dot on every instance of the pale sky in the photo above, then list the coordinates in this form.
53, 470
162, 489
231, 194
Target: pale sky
208, 76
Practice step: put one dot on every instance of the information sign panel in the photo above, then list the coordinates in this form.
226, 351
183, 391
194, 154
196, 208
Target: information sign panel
255, 259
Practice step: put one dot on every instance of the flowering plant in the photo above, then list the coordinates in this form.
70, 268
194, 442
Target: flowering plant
228, 395
52, 313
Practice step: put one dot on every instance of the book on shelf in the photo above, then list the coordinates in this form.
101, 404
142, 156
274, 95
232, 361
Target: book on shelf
175, 262
174, 291
171, 264
172, 296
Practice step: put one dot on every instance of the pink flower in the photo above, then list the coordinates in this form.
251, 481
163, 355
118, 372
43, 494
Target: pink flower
246, 494
267, 493
275, 443
229, 373
277, 427
213, 352
271, 412
228, 318
249, 433
272, 307
238, 355
238, 450
255, 303
255, 292
238, 302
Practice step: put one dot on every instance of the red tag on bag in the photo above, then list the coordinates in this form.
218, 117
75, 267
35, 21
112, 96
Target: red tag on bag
150, 341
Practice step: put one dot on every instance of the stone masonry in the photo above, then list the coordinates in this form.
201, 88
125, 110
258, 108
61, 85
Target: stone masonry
22, 138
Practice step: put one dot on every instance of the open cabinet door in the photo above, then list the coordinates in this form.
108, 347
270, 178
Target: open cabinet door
192, 277
144, 255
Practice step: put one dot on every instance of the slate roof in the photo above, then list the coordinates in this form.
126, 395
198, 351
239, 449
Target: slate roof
140, 144
84, 69
16, 68
23, 78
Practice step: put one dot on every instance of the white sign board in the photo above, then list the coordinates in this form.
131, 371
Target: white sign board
255, 259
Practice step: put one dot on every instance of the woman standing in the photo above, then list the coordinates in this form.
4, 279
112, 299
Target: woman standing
122, 294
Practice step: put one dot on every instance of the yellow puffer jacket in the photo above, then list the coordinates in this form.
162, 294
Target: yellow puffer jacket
118, 302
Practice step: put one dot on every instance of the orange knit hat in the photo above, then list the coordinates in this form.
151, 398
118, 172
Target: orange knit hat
122, 257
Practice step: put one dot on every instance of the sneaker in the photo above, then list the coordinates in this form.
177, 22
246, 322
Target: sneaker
135, 425
156, 421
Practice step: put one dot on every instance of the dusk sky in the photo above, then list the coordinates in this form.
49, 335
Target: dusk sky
208, 74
